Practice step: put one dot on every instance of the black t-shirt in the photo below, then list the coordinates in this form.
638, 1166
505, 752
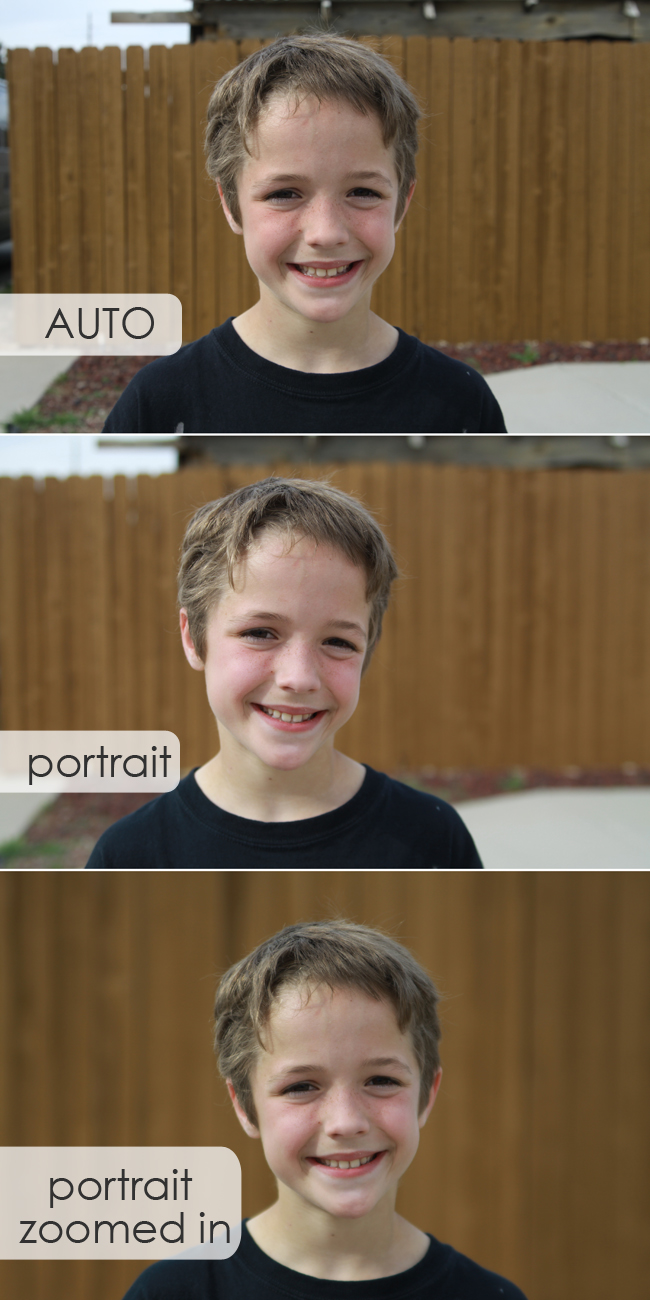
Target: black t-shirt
219, 385
385, 826
250, 1274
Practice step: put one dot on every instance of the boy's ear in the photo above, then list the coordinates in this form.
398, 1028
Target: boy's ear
406, 205
188, 645
422, 1119
234, 225
248, 1127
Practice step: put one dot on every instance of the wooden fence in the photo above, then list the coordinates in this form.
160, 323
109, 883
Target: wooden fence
519, 632
535, 1160
531, 218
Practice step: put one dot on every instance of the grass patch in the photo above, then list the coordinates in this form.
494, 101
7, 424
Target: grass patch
31, 420
527, 356
513, 780
21, 849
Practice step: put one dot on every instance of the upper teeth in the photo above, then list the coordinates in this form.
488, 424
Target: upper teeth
321, 270
286, 717
347, 1164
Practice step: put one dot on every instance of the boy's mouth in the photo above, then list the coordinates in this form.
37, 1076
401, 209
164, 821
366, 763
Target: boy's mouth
356, 1165
321, 275
291, 717
345, 1164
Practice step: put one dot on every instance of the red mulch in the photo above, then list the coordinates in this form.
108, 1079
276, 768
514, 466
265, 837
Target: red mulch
87, 392
490, 358
92, 385
66, 832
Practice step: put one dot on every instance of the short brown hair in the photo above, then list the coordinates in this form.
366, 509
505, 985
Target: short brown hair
335, 954
326, 66
221, 532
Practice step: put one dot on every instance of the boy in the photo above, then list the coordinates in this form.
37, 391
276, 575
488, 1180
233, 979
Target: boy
327, 1036
282, 588
312, 144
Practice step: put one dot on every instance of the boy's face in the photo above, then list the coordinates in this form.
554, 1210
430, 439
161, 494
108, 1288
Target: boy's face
289, 640
318, 192
336, 1085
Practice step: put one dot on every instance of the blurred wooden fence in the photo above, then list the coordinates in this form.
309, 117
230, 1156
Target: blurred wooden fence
535, 1160
531, 218
519, 633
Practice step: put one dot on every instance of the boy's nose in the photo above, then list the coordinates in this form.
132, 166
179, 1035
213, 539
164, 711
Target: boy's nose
324, 225
344, 1115
296, 669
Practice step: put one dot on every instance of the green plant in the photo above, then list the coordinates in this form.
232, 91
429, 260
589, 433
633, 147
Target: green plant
529, 355
513, 780
31, 420
21, 848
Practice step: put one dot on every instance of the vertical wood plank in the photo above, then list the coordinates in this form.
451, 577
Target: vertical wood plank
462, 217
484, 203
70, 186
26, 252
46, 215
137, 177
415, 234
621, 259
183, 203
599, 145
113, 174
505, 321
531, 188
640, 73
92, 164
552, 231
436, 199
577, 193
159, 149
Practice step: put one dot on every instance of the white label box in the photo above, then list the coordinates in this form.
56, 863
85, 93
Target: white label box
119, 1203
89, 762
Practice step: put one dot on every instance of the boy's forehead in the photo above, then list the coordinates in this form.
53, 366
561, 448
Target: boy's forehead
275, 545
287, 119
296, 1003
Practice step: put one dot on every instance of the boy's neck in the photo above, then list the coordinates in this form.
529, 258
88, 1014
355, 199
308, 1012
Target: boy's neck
238, 783
361, 339
308, 1241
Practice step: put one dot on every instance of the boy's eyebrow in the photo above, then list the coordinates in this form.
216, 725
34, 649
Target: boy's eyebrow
388, 1060
375, 1064
286, 178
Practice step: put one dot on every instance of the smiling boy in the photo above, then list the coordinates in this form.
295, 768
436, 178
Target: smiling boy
282, 591
312, 143
327, 1036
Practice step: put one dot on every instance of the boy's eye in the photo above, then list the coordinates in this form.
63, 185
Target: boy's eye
339, 643
383, 1081
259, 633
299, 1088
361, 193
280, 195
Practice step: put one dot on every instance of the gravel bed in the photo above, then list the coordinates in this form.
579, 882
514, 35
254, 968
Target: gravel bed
65, 833
81, 399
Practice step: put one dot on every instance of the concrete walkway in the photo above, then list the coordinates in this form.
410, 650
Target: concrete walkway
23, 380
18, 811
579, 397
577, 830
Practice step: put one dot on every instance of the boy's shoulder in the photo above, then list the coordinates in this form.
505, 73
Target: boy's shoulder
219, 385
387, 825
443, 1273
